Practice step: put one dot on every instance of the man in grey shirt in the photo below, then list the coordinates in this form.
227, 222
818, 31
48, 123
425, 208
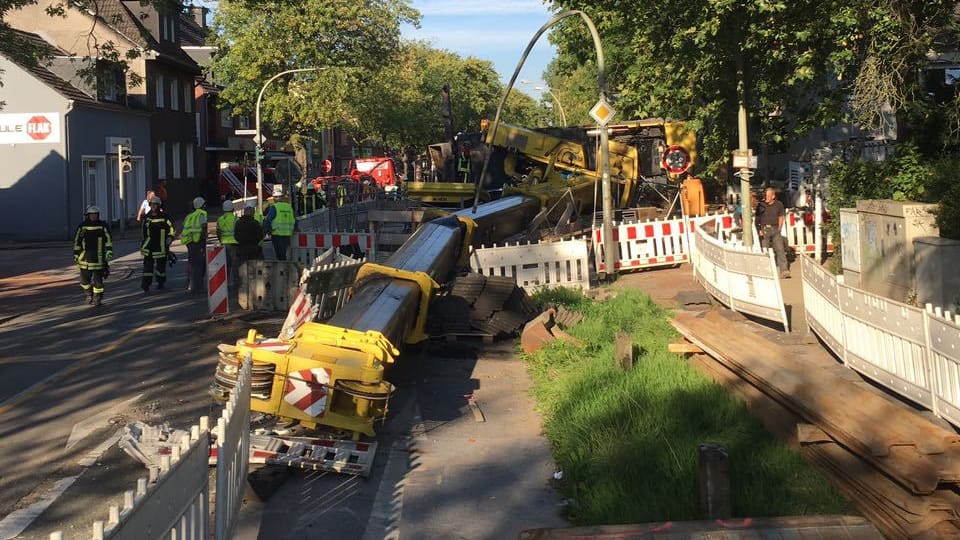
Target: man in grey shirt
770, 221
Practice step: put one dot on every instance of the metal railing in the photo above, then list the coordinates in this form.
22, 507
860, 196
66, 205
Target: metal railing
914, 352
233, 453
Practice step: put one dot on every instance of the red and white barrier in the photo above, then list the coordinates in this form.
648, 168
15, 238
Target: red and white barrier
217, 280
654, 243
307, 246
798, 229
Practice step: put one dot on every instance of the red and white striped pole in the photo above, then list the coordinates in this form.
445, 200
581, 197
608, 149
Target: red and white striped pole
217, 280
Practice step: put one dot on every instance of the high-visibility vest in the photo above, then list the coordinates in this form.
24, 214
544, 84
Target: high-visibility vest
226, 224
192, 231
283, 220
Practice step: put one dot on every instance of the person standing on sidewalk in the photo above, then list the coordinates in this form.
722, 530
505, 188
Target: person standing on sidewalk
157, 230
770, 220
226, 226
93, 249
280, 223
194, 236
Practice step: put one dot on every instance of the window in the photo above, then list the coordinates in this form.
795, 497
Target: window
191, 172
168, 28
226, 118
243, 122
111, 83
174, 94
188, 97
159, 91
161, 160
175, 149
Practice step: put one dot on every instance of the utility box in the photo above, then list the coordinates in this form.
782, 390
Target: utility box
887, 230
938, 281
850, 246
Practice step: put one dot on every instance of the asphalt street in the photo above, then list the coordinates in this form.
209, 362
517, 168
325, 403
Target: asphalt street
71, 375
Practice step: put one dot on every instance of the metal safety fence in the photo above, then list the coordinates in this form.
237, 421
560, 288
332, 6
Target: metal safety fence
913, 352
745, 280
173, 501
563, 263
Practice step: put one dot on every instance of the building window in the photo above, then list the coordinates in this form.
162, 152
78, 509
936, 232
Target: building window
243, 122
191, 171
175, 149
226, 118
159, 91
161, 160
174, 94
188, 97
168, 28
111, 83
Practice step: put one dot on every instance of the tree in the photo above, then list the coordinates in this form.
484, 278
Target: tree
800, 61
255, 40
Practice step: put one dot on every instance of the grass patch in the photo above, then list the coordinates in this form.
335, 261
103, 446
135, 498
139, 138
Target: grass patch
627, 442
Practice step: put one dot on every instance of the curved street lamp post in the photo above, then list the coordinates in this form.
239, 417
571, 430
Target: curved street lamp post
563, 116
258, 137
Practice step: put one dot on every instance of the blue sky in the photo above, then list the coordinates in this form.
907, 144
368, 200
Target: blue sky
495, 30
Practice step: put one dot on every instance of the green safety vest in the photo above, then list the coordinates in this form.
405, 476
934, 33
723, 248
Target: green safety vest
192, 231
226, 224
283, 220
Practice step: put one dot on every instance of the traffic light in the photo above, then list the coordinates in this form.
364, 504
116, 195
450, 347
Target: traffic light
126, 164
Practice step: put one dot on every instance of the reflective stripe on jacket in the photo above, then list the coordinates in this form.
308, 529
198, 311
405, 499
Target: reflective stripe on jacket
157, 234
283, 222
225, 227
192, 226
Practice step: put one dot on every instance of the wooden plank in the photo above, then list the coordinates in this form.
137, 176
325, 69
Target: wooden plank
856, 417
684, 348
623, 351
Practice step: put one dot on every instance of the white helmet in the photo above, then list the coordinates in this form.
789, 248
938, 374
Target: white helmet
228, 206
91, 210
277, 190
199, 202
155, 200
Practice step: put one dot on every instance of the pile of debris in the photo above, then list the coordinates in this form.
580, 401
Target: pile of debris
480, 305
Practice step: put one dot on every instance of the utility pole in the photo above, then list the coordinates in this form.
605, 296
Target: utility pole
742, 161
121, 156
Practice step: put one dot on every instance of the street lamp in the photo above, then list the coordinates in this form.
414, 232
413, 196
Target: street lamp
258, 138
563, 117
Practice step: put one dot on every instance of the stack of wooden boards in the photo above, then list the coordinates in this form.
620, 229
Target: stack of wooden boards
900, 469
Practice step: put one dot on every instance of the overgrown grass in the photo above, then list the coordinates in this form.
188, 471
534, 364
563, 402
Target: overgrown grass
627, 442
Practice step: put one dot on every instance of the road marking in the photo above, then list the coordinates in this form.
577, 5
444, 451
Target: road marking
83, 362
94, 455
87, 426
18, 521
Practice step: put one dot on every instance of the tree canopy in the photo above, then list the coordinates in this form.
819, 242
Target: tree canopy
804, 64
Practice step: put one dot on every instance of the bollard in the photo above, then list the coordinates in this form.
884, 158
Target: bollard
623, 351
713, 476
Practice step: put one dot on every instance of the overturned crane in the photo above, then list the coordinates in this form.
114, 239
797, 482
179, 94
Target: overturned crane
332, 374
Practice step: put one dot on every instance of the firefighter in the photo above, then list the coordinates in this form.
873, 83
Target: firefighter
226, 225
280, 223
310, 200
194, 236
157, 230
92, 250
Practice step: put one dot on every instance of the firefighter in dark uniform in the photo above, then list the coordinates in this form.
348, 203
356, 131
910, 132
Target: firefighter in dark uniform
93, 249
157, 237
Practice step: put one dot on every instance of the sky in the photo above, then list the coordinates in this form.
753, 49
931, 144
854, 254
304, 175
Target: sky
495, 30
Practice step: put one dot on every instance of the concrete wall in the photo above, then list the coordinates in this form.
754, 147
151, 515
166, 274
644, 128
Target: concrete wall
938, 281
33, 176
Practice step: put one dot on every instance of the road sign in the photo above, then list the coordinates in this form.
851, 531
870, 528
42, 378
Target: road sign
245, 132
744, 160
259, 139
602, 112
327, 166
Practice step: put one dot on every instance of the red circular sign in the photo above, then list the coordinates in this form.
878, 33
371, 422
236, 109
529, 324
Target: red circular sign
675, 160
39, 128
327, 166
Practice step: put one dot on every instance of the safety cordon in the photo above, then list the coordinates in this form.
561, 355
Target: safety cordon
317, 454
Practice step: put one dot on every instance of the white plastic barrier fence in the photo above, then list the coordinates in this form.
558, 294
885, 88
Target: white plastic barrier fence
307, 246
323, 291
913, 352
800, 233
745, 280
563, 263
655, 243
217, 280
172, 503
233, 453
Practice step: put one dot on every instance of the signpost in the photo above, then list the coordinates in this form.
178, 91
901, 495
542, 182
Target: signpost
602, 112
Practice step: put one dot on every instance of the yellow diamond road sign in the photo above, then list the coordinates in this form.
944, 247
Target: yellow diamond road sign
602, 112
